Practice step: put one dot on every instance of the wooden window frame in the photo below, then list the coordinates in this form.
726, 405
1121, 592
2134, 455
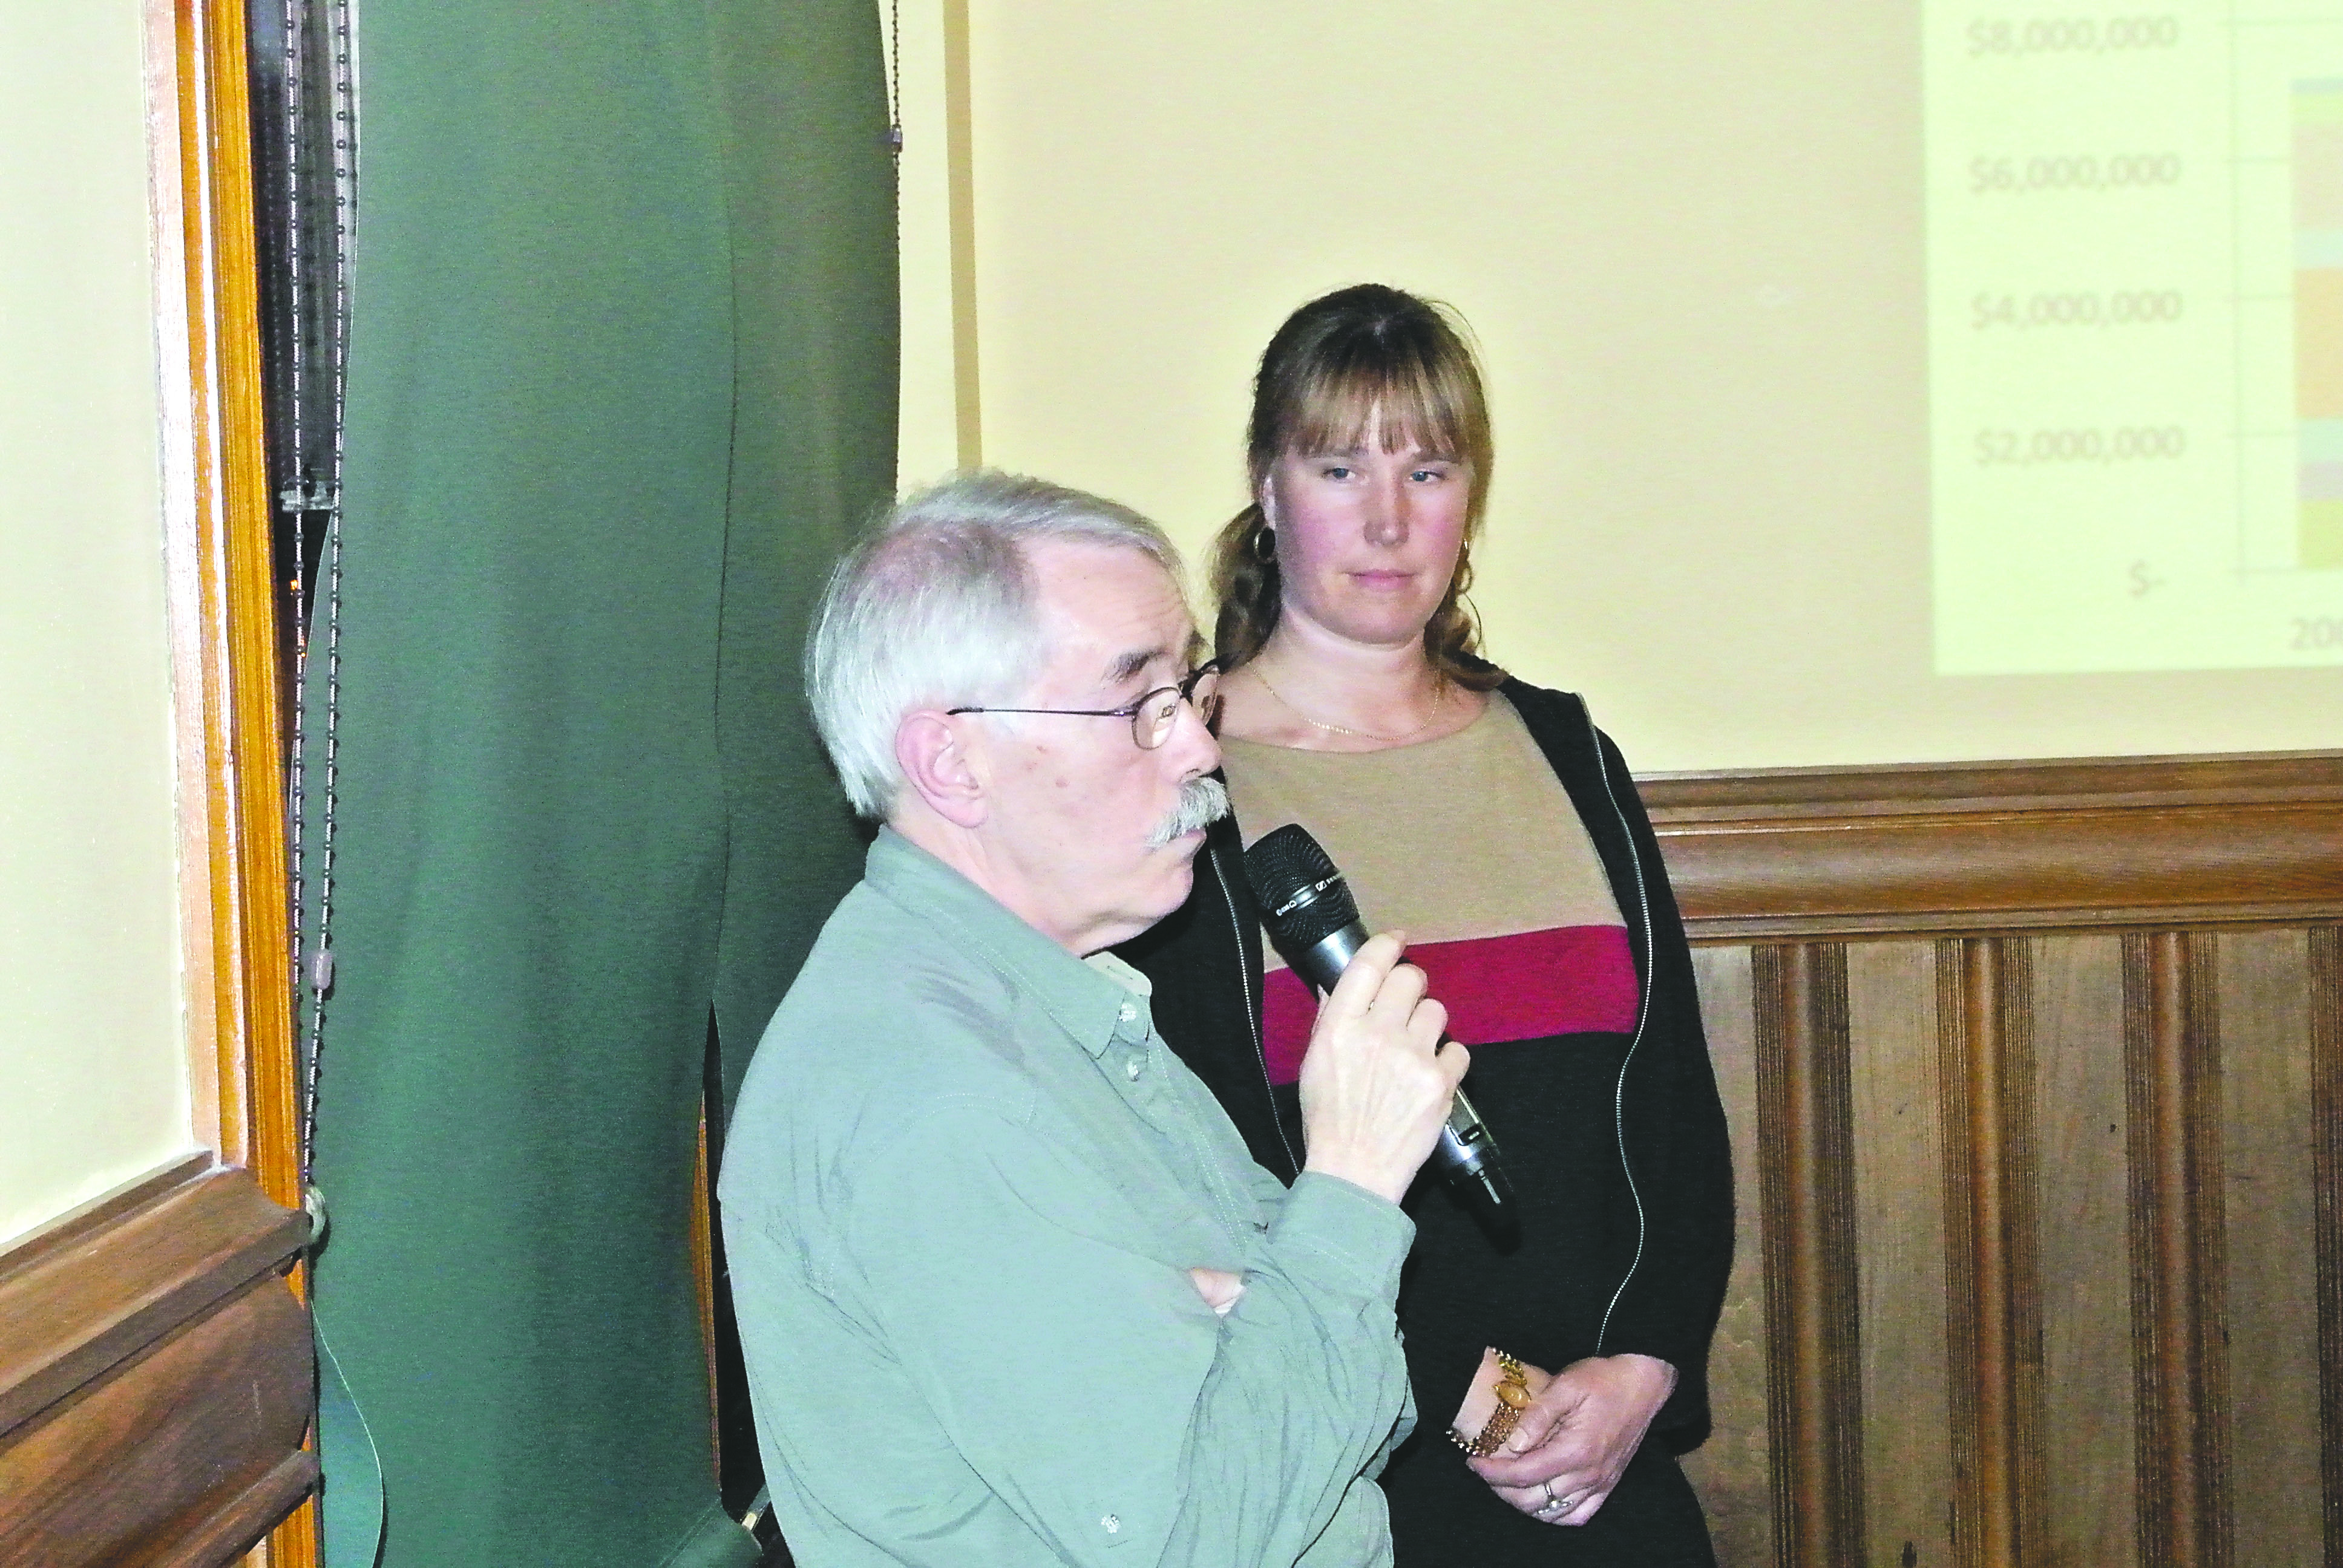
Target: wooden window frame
228, 705
157, 1391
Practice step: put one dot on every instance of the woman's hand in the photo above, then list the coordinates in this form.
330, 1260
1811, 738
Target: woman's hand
1573, 1441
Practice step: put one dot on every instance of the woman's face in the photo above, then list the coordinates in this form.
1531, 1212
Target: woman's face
1367, 539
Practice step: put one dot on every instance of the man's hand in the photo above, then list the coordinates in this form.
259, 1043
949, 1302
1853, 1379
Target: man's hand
1575, 1440
1377, 1082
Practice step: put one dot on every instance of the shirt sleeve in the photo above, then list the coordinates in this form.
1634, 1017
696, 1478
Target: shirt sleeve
1684, 1161
1088, 1383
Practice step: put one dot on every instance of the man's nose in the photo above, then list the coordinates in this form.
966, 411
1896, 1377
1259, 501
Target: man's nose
1191, 744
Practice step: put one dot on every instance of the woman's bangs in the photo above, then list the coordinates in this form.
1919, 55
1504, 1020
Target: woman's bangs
1413, 408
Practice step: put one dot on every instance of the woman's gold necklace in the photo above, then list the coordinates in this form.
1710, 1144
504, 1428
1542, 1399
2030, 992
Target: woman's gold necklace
1337, 729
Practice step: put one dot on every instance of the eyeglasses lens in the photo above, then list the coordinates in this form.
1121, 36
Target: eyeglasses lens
1159, 712
1207, 699
1152, 725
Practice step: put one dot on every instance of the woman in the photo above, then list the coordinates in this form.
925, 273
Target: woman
1490, 820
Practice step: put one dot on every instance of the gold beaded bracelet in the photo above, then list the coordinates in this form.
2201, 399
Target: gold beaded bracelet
1513, 1392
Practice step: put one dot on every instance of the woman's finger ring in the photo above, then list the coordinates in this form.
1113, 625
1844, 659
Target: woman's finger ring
1551, 1504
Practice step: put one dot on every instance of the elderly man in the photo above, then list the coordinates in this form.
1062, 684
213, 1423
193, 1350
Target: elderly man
1010, 1288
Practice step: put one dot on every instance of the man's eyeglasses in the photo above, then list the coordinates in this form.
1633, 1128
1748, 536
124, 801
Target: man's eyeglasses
1154, 716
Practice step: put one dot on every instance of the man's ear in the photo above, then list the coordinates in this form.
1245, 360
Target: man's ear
940, 769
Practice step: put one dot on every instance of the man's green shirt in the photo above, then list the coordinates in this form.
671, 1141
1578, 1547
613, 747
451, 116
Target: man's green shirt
963, 1186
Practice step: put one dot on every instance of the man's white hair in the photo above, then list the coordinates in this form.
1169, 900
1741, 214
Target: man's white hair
936, 608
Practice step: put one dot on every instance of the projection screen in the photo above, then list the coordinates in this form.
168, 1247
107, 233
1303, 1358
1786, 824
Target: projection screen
1874, 381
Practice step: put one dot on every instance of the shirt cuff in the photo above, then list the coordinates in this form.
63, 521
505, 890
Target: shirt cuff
1364, 1237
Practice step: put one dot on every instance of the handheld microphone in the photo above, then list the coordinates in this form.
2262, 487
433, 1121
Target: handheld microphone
1314, 921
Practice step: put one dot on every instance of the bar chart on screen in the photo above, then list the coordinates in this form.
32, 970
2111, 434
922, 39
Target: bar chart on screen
2136, 335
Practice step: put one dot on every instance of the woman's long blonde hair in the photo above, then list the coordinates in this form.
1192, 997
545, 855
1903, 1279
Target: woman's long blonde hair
1340, 364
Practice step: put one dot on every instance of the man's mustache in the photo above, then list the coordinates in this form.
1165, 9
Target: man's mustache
1203, 802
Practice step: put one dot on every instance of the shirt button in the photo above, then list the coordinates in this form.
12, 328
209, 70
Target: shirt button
1128, 1012
1131, 1070
1110, 1524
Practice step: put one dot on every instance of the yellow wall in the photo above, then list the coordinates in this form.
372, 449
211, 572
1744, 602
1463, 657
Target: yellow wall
1689, 236
93, 1072
929, 391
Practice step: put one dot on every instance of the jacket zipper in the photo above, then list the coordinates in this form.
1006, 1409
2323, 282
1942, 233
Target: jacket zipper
1642, 1014
1244, 984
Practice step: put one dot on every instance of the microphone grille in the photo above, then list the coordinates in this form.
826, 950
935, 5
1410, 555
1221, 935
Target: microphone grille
1288, 867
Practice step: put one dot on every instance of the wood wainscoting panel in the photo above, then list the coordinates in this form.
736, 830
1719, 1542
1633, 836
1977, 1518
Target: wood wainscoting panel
2090, 1019
1984, 1030
2172, 1072
1805, 1180
2085, 1311
2326, 993
1899, 1228
2273, 1299
1733, 1471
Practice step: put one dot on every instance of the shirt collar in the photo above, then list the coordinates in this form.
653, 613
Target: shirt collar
1088, 1002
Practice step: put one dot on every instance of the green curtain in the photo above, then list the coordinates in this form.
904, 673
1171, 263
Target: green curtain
621, 384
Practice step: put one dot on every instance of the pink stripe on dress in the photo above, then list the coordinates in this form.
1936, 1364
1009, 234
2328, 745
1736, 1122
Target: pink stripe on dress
1565, 980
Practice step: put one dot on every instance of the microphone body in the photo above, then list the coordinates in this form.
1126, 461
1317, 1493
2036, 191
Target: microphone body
1315, 923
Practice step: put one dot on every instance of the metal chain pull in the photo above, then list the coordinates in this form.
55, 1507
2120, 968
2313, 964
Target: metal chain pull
895, 84
321, 131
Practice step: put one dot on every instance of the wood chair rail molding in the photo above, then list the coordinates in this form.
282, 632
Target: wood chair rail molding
2104, 843
155, 1375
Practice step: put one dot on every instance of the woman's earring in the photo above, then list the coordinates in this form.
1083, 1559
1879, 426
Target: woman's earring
1264, 544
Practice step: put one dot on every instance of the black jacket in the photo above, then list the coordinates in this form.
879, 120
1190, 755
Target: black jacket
1205, 964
